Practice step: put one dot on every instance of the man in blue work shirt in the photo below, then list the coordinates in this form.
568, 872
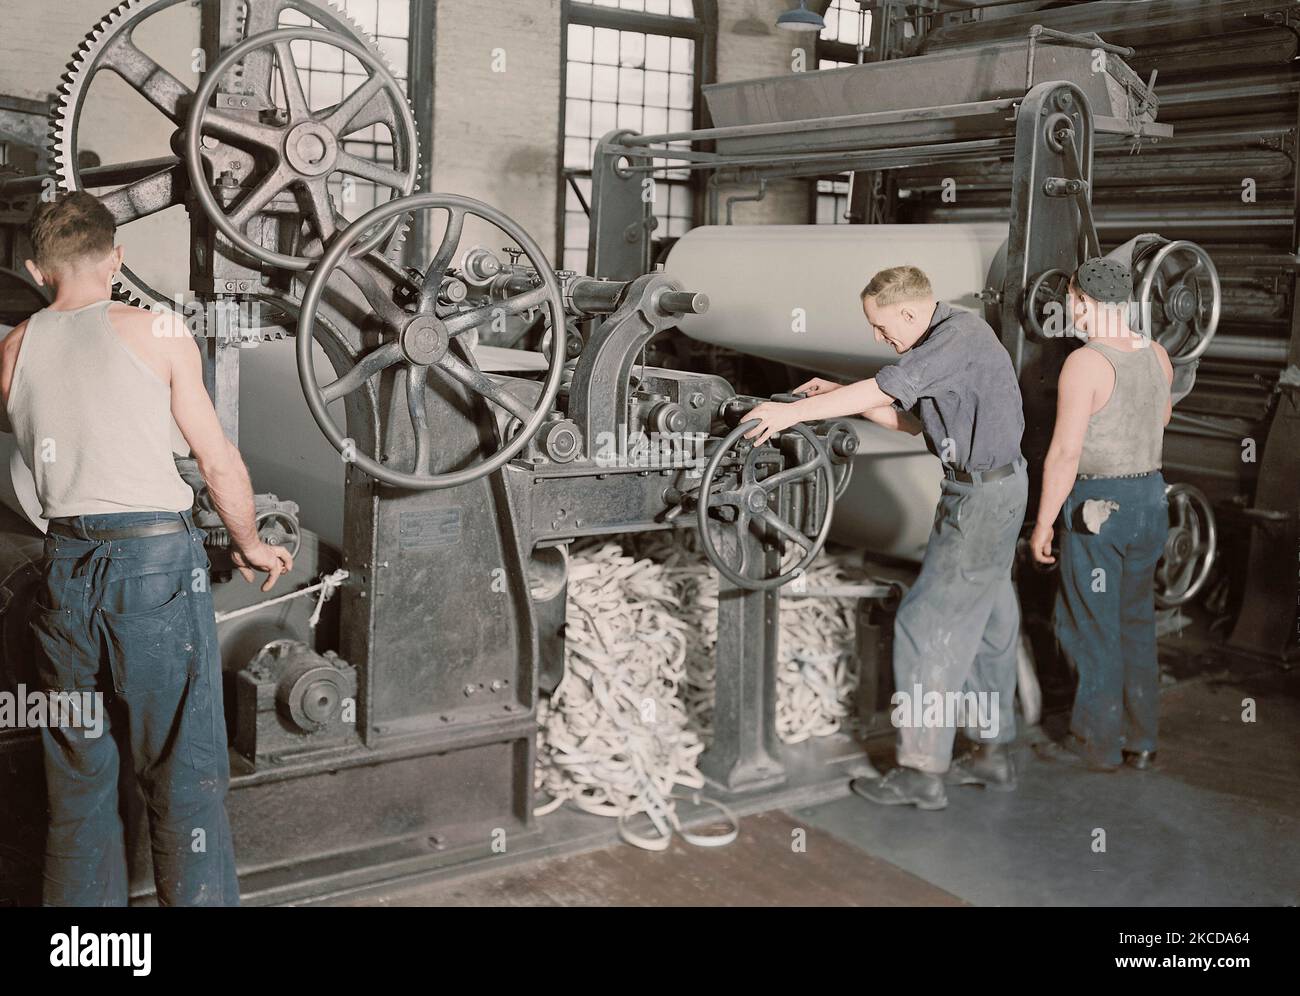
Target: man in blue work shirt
957, 629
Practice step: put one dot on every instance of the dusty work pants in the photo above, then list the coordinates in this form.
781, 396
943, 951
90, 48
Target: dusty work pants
132, 620
958, 628
1105, 613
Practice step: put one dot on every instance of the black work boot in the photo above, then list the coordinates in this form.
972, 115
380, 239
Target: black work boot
903, 787
990, 765
1070, 751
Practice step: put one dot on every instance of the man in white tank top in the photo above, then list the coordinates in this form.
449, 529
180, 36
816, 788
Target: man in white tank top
124, 609
1102, 476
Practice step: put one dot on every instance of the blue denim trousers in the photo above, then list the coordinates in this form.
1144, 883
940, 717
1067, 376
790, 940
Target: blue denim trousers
133, 620
1105, 613
957, 630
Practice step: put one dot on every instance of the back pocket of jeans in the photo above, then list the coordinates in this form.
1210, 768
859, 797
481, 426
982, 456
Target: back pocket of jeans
151, 649
65, 658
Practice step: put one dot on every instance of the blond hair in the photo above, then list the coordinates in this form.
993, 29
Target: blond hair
898, 283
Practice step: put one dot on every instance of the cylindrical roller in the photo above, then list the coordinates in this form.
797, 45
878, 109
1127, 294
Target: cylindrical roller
889, 505
791, 292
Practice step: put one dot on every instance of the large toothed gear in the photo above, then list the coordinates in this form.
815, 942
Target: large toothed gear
158, 184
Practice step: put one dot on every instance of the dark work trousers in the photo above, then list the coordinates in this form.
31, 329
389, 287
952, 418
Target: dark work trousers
133, 620
1105, 613
958, 628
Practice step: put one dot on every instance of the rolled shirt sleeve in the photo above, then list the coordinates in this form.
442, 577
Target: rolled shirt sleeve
893, 380
919, 372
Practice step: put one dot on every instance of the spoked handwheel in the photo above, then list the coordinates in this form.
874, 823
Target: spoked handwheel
1178, 297
1190, 547
300, 153
425, 336
746, 509
1046, 293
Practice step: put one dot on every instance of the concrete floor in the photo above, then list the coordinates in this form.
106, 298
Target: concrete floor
1216, 823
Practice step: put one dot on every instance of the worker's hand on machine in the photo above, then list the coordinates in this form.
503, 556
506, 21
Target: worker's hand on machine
1040, 544
817, 385
773, 417
271, 560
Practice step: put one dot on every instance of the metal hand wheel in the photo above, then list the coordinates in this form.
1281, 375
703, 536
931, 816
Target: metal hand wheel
1049, 288
426, 337
1190, 547
746, 508
1180, 282
306, 149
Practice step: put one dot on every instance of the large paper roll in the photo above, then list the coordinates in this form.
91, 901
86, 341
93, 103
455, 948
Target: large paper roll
889, 506
790, 292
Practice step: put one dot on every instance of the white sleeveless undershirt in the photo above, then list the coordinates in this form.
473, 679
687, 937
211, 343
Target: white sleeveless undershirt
92, 420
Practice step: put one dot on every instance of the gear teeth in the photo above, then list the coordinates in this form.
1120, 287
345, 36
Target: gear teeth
80, 70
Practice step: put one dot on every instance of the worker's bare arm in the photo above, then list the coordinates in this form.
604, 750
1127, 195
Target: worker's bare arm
1163, 356
8, 357
1082, 374
891, 418
885, 415
852, 399
218, 459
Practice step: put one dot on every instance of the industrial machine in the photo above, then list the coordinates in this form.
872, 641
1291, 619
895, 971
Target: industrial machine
396, 733
390, 731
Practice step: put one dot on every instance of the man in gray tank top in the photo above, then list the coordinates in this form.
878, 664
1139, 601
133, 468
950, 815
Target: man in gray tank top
124, 611
1102, 476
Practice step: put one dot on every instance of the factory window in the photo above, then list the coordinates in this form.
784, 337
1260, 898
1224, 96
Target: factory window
832, 200
847, 27
329, 74
633, 64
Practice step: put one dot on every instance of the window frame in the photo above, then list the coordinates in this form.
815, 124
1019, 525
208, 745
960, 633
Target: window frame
702, 29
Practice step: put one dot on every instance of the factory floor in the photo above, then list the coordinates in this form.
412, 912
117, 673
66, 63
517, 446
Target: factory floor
1217, 822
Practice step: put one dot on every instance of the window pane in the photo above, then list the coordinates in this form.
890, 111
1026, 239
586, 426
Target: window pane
680, 91
393, 17
656, 121
631, 48
577, 153
603, 117
604, 83
656, 89
630, 86
580, 42
577, 117
629, 116
844, 19
606, 46
683, 55
577, 83
656, 52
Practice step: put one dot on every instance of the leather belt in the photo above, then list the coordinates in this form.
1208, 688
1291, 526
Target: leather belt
1114, 477
979, 476
61, 527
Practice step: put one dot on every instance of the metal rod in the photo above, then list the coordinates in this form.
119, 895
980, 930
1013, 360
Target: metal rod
871, 158
867, 119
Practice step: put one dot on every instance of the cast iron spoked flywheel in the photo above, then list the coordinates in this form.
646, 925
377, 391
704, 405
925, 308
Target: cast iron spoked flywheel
1178, 297
1190, 547
747, 508
426, 340
298, 150
124, 44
